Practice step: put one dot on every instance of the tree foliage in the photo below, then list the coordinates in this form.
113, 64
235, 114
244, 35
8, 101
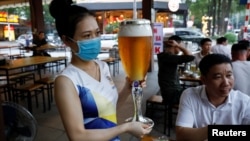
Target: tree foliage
219, 10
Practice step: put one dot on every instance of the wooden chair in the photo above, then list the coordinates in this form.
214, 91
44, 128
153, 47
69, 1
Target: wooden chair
4, 90
114, 60
28, 90
154, 104
49, 83
16, 79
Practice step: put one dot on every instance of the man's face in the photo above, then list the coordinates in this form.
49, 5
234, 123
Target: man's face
219, 81
41, 35
225, 43
206, 47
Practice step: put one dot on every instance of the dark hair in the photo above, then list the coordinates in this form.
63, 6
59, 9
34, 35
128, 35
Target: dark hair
239, 47
67, 16
210, 60
176, 38
246, 42
204, 40
40, 32
221, 40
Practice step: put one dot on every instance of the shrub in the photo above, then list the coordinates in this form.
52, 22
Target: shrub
231, 37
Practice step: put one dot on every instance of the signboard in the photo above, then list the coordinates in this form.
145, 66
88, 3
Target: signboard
158, 37
8, 18
243, 2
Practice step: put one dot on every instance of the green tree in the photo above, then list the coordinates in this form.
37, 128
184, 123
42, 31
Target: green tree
218, 9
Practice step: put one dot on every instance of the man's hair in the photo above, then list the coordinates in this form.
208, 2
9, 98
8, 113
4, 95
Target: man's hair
246, 42
239, 47
221, 40
210, 60
40, 32
204, 40
176, 38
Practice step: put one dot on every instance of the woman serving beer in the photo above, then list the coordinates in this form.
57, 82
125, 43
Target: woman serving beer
85, 94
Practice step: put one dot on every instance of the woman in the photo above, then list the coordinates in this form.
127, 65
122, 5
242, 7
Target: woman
85, 94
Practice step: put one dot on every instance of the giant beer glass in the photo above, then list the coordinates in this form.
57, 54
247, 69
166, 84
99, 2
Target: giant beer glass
135, 49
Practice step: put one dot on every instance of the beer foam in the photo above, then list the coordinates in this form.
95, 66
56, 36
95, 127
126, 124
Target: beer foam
135, 30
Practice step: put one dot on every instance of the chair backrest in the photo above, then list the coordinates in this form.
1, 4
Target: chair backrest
114, 53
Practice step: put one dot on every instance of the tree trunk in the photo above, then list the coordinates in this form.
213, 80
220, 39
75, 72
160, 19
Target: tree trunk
210, 13
218, 27
214, 4
227, 13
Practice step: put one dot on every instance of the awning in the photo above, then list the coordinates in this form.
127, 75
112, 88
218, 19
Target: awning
158, 5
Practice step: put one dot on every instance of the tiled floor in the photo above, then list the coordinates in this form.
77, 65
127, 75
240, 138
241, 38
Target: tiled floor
50, 127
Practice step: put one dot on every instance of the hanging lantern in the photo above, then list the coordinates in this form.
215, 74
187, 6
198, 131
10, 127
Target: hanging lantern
173, 5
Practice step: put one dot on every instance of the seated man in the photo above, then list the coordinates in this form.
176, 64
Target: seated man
205, 44
168, 61
247, 43
39, 41
221, 47
215, 102
241, 68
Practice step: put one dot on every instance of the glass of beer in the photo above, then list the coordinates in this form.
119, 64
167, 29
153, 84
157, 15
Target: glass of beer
135, 50
193, 67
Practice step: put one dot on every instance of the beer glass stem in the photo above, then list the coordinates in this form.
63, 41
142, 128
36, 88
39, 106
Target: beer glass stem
137, 98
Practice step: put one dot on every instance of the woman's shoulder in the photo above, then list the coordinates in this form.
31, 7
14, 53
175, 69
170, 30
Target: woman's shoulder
102, 64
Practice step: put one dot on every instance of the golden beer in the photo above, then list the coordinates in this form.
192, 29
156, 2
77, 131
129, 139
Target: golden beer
193, 67
135, 47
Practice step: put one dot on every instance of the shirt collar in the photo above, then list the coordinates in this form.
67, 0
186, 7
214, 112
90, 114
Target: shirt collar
202, 55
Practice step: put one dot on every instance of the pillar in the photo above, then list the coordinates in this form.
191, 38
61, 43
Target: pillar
36, 15
147, 5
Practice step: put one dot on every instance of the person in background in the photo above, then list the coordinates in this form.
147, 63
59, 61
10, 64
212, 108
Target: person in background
241, 68
247, 43
85, 94
206, 44
168, 76
39, 41
221, 47
214, 102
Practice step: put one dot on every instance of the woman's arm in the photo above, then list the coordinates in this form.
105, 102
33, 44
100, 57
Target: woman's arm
124, 93
69, 107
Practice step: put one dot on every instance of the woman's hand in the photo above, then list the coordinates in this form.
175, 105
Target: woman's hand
143, 82
138, 129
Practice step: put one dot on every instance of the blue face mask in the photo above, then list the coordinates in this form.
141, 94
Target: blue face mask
89, 49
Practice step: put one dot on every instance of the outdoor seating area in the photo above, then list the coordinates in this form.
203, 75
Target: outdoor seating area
43, 106
38, 92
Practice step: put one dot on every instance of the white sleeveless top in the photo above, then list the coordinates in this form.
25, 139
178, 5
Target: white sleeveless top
98, 99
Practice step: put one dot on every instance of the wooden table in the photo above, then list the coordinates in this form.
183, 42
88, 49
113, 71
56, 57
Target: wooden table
152, 138
46, 47
10, 55
26, 62
192, 80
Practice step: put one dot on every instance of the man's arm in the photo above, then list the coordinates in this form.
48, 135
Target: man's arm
191, 134
185, 120
184, 50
